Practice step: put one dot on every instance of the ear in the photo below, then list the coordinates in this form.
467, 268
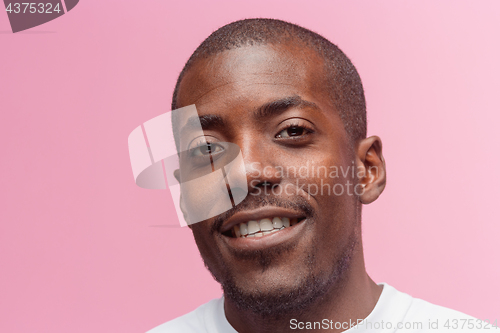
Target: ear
371, 168
177, 176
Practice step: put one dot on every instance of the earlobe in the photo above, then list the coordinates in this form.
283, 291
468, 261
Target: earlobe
371, 169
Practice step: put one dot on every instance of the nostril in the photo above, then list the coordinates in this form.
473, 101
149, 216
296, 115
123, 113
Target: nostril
266, 183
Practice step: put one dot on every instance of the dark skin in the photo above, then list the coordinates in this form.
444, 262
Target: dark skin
234, 85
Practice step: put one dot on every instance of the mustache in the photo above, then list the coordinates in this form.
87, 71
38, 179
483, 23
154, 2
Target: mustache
254, 202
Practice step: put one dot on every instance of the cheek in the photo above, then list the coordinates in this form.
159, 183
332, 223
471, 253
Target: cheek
320, 177
205, 242
331, 185
205, 197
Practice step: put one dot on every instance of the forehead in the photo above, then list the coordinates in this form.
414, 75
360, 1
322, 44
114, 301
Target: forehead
252, 75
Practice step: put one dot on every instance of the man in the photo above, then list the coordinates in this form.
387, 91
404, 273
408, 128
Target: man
290, 255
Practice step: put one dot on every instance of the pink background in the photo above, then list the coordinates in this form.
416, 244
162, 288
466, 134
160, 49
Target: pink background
79, 250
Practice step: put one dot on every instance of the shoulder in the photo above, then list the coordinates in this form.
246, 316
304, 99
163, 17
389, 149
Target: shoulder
421, 308
197, 321
439, 318
427, 317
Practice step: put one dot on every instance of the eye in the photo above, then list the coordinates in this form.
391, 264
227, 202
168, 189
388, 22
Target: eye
293, 131
205, 149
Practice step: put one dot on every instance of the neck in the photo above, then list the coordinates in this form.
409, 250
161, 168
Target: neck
350, 299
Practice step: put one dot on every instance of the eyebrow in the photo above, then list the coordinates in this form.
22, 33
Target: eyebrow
207, 122
267, 110
281, 105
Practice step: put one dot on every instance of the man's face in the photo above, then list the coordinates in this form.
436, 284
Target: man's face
273, 102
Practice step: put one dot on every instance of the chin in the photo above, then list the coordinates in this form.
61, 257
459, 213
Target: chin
277, 300
275, 294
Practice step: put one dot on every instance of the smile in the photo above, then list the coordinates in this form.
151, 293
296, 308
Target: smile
260, 228
264, 227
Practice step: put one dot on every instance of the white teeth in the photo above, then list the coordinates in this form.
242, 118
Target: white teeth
266, 225
243, 229
263, 227
253, 227
277, 223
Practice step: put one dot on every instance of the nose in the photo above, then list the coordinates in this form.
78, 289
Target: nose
261, 168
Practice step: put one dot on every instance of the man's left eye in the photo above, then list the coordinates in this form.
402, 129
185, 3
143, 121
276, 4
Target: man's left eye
292, 131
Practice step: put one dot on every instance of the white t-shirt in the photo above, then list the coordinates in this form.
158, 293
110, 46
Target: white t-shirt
394, 312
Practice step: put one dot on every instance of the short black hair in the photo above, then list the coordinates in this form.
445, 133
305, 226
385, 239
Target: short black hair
344, 83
